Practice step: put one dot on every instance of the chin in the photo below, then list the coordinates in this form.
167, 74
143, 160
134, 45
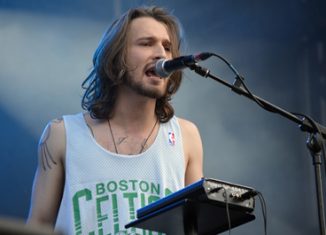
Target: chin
155, 91
155, 94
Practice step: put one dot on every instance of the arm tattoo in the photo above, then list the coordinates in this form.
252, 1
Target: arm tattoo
44, 153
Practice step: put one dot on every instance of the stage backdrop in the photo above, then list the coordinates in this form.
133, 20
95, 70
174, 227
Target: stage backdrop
46, 50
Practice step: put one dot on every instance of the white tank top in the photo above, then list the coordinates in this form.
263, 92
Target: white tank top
103, 190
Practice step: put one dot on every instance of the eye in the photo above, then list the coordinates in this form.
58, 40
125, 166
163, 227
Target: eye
167, 47
145, 43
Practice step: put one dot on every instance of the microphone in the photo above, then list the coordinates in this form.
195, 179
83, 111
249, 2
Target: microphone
165, 68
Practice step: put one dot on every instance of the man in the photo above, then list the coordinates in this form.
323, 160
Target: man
96, 169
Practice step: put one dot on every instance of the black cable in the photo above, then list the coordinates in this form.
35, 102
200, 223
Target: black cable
227, 210
240, 82
226, 205
228, 64
240, 79
270, 109
263, 208
251, 194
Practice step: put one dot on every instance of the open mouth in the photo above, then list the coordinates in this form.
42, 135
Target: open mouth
151, 72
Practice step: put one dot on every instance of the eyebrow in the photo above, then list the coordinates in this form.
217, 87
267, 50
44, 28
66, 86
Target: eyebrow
150, 38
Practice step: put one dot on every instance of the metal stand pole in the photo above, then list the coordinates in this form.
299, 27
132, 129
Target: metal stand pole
314, 146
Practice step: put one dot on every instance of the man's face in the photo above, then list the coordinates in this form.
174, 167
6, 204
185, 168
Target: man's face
148, 40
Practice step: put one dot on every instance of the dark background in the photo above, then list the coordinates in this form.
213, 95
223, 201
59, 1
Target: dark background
46, 49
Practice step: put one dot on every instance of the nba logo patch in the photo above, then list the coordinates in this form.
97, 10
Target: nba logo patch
171, 138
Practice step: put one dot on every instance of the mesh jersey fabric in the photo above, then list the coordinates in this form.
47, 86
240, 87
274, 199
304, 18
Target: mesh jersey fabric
103, 190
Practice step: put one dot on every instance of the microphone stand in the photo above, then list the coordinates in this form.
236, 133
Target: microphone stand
317, 132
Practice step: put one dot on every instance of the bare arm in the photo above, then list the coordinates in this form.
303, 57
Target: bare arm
193, 151
49, 177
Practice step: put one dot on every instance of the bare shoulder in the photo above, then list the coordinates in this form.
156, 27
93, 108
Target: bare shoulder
49, 177
188, 127
193, 150
52, 144
190, 135
57, 126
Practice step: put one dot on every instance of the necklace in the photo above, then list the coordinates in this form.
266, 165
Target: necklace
142, 145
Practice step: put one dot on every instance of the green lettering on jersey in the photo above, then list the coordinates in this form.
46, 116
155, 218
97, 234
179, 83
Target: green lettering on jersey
101, 217
115, 213
131, 201
100, 189
75, 201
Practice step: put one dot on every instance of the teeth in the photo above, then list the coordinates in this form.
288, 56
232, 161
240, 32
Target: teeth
150, 72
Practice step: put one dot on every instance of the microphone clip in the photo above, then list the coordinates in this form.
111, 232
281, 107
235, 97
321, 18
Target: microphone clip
199, 69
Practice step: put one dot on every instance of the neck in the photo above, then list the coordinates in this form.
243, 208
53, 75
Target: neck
134, 124
134, 110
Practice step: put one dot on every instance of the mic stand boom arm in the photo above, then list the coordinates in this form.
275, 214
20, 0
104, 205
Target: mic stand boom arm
314, 142
237, 87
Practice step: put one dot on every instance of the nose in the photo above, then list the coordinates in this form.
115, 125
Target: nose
160, 52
